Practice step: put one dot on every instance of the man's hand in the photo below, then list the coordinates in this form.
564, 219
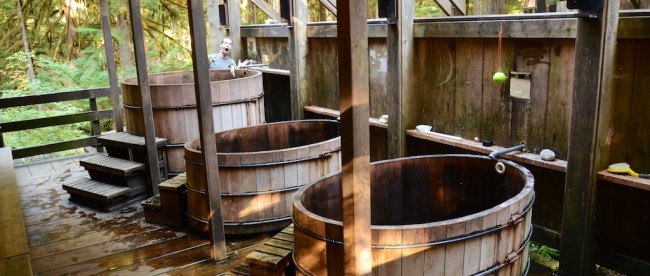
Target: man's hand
243, 64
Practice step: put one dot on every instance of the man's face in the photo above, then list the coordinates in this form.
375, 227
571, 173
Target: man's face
225, 46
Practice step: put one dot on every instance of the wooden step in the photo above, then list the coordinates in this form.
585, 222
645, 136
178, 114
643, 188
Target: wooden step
103, 196
274, 256
128, 141
131, 147
96, 190
111, 165
107, 207
154, 212
173, 193
170, 206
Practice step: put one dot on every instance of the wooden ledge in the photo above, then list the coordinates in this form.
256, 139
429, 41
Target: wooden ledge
14, 248
271, 70
323, 111
334, 114
627, 180
521, 157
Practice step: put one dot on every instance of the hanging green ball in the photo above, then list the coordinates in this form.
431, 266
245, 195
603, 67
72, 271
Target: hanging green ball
499, 77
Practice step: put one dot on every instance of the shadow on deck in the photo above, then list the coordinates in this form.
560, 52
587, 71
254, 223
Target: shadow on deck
67, 238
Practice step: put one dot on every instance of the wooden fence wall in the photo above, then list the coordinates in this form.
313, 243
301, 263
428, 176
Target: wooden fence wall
452, 79
455, 93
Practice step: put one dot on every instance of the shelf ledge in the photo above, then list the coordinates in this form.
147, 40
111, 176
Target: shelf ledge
627, 180
334, 114
521, 157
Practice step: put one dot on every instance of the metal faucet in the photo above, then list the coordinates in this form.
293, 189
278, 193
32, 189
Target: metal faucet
496, 153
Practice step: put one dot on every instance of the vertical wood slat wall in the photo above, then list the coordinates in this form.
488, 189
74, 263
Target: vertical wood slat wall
458, 97
455, 94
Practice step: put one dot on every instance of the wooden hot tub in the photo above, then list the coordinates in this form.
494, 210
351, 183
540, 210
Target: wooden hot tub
260, 168
236, 102
431, 215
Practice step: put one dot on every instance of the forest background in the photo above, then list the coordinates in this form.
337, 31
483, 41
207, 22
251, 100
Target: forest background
51, 46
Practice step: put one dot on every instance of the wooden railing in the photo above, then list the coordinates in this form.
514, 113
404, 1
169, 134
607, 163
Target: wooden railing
92, 115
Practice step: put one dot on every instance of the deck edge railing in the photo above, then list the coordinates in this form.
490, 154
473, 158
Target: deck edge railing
92, 115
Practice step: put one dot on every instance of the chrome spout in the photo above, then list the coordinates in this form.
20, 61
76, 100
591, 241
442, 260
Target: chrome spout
497, 153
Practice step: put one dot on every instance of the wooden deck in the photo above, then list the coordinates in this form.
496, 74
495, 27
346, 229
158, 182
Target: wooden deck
66, 238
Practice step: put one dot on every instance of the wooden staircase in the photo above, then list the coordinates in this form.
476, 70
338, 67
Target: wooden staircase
170, 206
118, 179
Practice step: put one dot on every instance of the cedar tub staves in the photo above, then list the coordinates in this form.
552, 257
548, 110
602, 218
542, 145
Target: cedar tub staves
260, 168
430, 215
236, 102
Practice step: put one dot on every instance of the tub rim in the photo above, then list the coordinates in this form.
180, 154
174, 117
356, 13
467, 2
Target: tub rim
133, 80
525, 191
251, 157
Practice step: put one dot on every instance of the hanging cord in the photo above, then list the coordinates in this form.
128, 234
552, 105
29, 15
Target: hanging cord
499, 49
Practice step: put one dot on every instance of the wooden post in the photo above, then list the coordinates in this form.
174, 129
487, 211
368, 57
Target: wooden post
352, 32
217, 31
95, 129
540, 6
110, 63
400, 57
145, 94
234, 22
298, 49
594, 60
201, 66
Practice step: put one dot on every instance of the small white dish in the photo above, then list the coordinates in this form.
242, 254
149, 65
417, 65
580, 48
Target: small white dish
383, 119
423, 128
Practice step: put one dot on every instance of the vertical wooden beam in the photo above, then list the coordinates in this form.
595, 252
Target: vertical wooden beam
540, 6
206, 125
145, 94
594, 60
95, 128
401, 97
217, 31
352, 31
110, 64
234, 22
298, 49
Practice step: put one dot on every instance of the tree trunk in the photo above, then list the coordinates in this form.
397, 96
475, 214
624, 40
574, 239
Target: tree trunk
123, 49
482, 7
250, 10
322, 13
496, 7
30, 64
71, 35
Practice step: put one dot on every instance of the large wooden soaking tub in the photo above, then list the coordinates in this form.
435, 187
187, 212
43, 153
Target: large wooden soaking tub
236, 102
431, 215
260, 168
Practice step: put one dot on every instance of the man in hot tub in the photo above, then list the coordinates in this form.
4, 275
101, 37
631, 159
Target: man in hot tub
222, 60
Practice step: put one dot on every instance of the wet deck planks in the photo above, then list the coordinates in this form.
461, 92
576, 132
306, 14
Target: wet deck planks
66, 238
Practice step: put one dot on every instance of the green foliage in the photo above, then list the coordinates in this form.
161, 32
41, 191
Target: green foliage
427, 8
544, 250
13, 73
